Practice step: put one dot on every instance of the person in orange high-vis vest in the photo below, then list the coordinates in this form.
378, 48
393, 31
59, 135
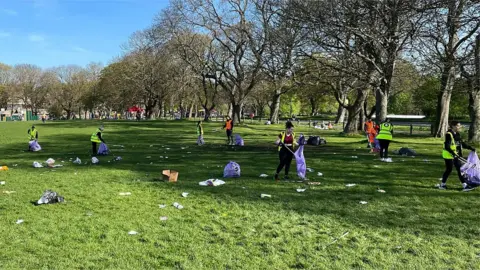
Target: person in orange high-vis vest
229, 128
369, 129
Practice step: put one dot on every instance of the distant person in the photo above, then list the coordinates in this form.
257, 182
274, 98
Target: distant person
384, 137
285, 142
452, 152
228, 126
44, 118
96, 138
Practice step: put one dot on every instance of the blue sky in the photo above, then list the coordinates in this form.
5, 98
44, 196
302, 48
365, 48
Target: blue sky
50, 33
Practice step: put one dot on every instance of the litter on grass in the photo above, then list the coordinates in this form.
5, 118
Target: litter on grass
263, 175
8, 191
2, 182
132, 232
301, 189
381, 190
162, 205
319, 174
125, 193
212, 182
363, 202
77, 161
314, 183
265, 196
177, 205
310, 170
20, 221
184, 194
95, 160
163, 218
350, 185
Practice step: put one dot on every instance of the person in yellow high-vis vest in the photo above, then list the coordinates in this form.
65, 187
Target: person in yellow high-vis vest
95, 139
33, 133
452, 151
286, 142
384, 137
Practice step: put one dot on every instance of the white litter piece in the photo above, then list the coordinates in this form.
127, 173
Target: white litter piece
381, 190
2, 183
148, 157
163, 218
212, 182
167, 148
182, 148
184, 194
354, 157
310, 170
63, 161
20, 221
50, 162
125, 193
440, 179
319, 174
265, 196
363, 202
189, 152
77, 161
118, 158
161, 156
8, 191
426, 160
301, 189
413, 156
118, 145
166, 157
376, 166
350, 185
263, 175
177, 205
162, 205
15, 165
95, 160
57, 166
151, 145
132, 232
37, 165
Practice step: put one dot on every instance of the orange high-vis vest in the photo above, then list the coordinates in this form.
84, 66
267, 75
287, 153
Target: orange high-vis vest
228, 124
369, 126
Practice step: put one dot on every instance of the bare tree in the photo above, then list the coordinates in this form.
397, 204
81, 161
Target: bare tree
470, 70
30, 85
452, 25
236, 28
5, 85
72, 83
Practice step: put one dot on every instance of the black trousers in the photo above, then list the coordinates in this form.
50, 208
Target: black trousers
384, 148
229, 136
285, 160
449, 163
94, 148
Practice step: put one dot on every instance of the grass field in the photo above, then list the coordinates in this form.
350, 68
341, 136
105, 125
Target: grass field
411, 226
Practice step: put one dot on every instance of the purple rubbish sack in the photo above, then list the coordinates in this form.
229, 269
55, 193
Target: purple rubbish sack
471, 169
238, 140
34, 146
231, 170
300, 160
102, 150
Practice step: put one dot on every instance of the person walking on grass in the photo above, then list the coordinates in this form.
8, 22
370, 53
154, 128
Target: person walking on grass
369, 130
452, 152
200, 140
96, 138
285, 142
229, 128
384, 137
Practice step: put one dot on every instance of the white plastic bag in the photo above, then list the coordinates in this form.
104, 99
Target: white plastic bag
95, 160
77, 161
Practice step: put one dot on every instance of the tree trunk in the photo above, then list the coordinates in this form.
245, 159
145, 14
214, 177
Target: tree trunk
352, 122
313, 105
275, 107
230, 110
190, 111
236, 109
341, 111
443, 103
474, 107
381, 105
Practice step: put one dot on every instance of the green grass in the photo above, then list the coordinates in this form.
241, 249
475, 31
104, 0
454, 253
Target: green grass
411, 226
